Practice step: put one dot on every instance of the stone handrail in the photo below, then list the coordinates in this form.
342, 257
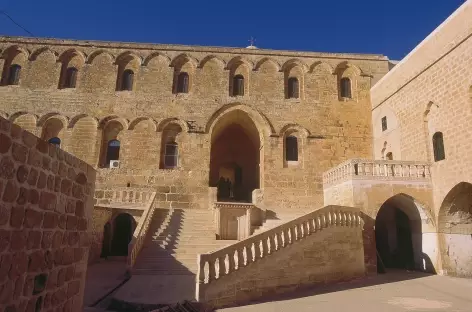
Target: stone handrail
231, 259
122, 195
378, 170
134, 247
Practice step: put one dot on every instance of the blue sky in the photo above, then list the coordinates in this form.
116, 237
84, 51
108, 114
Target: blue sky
391, 28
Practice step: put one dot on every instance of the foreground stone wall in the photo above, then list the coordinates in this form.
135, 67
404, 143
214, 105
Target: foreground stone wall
428, 92
330, 128
46, 202
323, 246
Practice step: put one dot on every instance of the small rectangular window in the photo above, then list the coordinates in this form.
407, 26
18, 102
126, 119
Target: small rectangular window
384, 123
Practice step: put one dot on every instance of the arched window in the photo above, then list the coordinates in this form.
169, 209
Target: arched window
389, 156
55, 141
113, 151
171, 155
14, 74
345, 88
238, 85
291, 148
127, 80
293, 88
182, 83
438, 146
71, 77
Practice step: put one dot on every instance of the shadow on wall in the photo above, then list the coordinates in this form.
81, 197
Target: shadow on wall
162, 242
395, 238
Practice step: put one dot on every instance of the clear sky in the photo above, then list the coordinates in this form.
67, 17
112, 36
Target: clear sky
391, 28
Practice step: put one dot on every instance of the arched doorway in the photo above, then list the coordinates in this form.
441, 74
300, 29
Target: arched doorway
235, 157
398, 236
455, 231
123, 228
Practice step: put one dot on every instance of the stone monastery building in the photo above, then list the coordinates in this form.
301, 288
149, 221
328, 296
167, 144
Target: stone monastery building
215, 165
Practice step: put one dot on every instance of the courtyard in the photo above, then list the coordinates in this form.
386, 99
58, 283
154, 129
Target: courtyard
391, 292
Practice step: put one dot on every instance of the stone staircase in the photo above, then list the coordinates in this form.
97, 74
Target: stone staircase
273, 220
166, 266
172, 248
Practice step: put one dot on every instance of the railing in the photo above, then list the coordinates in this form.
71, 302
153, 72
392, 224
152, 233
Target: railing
231, 259
378, 170
122, 195
134, 247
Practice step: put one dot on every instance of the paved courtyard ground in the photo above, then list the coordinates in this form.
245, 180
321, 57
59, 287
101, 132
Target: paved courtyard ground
393, 292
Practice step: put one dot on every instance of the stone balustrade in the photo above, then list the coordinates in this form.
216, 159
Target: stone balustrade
122, 195
137, 242
377, 170
234, 258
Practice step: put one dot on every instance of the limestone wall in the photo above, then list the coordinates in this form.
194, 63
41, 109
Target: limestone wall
46, 203
430, 91
330, 129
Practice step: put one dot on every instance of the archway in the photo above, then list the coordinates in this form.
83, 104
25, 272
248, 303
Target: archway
398, 236
235, 157
455, 231
123, 228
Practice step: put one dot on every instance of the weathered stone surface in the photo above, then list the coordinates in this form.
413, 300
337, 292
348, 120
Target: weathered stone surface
4, 214
5, 143
50, 220
17, 216
22, 173
33, 176
7, 168
5, 237
22, 196
36, 234
11, 192
19, 152
18, 240
34, 239
47, 200
33, 218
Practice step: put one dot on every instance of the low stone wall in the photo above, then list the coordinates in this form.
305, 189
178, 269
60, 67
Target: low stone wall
321, 247
46, 202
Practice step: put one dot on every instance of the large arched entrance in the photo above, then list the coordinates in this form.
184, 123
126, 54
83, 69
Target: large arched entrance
235, 157
399, 236
123, 228
455, 231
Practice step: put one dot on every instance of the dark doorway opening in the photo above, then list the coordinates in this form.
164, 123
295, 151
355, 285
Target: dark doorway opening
393, 235
123, 228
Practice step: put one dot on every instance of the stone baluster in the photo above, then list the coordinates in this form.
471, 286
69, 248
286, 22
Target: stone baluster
241, 263
201, 269
249, 254
211, 270
221, 266
257, 250
273, 246
427, 171
265, 247
231, 263
293, 236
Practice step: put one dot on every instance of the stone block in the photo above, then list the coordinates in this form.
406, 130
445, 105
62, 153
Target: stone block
17, 216
7, 168
5, 143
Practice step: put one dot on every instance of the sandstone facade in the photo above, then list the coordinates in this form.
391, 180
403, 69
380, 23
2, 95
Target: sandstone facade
427, 102
46, 205
329, 128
